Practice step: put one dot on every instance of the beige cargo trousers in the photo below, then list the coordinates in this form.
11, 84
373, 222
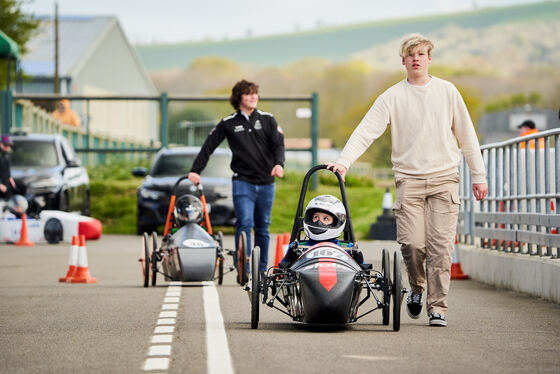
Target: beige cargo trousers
426, 212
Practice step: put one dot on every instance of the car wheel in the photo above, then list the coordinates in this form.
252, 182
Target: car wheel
63, 203
86, 211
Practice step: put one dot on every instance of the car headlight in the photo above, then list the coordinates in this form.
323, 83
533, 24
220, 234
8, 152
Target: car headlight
151, 194
49, 182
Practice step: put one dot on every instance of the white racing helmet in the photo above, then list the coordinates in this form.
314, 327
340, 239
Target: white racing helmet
18, 205
188, 208
317, 230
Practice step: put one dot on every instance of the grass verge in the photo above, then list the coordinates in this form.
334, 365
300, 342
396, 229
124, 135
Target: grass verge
113, 200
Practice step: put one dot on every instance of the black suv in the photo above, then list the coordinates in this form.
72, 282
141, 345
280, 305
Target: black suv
169, 164
48, 172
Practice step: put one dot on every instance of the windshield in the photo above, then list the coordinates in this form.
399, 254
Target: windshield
33, 154
175, 165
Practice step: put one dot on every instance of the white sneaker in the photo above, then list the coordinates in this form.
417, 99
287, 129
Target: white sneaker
437, 319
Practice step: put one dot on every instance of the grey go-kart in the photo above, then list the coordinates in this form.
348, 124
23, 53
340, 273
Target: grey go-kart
326, 285
189, 250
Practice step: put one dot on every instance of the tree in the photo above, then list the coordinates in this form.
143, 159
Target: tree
17, 26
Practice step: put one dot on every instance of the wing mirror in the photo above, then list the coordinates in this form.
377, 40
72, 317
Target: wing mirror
139, 172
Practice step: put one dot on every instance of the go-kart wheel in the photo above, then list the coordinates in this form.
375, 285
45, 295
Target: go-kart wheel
145, 259
386, 269
221, 258
397, 291
153, 262
255, 281
242, 259
220, 265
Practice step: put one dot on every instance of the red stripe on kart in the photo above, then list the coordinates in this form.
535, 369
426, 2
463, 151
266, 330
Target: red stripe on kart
327, 273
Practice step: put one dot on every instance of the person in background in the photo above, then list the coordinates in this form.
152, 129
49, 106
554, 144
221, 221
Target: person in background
257, 144
427, 117
65, 114
7, 183
528, 128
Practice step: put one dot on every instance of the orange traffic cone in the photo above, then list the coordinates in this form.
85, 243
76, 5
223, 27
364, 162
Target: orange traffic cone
82, 271
285, 243
72, 260
456, 271
23, 237
279, 253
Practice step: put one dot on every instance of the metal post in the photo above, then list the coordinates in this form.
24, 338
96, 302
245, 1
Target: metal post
163, 114
511, 191
547, 185
87, 124
314, 136
6, 100
557, 178
471, 204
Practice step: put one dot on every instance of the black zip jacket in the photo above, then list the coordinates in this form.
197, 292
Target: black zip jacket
257, 145
5, 173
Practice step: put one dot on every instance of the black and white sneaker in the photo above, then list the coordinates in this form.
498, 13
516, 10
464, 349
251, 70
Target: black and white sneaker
437, 319
414, 304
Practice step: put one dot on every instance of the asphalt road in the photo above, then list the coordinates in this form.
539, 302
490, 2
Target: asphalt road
108, 327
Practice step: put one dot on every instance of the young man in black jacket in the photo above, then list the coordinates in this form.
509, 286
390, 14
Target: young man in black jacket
6, 180
257, 144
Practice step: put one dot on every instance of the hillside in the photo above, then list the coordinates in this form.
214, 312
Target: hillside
363, 40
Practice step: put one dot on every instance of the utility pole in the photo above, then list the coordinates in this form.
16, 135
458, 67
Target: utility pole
56, 79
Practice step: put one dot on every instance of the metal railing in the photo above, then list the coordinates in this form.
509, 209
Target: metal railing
520, 213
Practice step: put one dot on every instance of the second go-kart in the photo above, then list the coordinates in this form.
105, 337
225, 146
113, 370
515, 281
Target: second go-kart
325, 284
189, 250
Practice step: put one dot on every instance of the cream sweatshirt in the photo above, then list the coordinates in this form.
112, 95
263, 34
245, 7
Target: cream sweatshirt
426, 122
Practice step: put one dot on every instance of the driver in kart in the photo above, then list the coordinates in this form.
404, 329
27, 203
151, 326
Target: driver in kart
324, 220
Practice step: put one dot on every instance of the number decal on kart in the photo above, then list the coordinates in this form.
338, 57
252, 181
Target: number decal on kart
194, 243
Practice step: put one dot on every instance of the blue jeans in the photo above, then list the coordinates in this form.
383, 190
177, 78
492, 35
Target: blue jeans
253, 205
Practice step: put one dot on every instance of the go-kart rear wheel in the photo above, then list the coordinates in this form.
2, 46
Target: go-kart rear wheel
220, 266
397, 291
242, 259
386, 269
153, 262
255, 282
145, 259
221, 258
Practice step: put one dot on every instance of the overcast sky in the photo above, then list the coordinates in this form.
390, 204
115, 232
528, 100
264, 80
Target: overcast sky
169, 21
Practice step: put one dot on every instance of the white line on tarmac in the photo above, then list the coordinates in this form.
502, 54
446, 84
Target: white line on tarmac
219, 359
369, 358
159, 353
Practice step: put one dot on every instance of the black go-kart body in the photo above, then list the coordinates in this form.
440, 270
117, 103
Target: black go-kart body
187, 253
325, 285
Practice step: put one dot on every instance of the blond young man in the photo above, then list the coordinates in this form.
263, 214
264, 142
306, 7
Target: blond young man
427, 116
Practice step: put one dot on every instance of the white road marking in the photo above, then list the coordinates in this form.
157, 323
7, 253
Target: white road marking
160, 350
370, 358
164, 330
219, 359
156, 364
162, 338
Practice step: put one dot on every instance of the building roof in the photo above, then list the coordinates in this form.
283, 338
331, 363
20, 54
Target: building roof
76, 36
